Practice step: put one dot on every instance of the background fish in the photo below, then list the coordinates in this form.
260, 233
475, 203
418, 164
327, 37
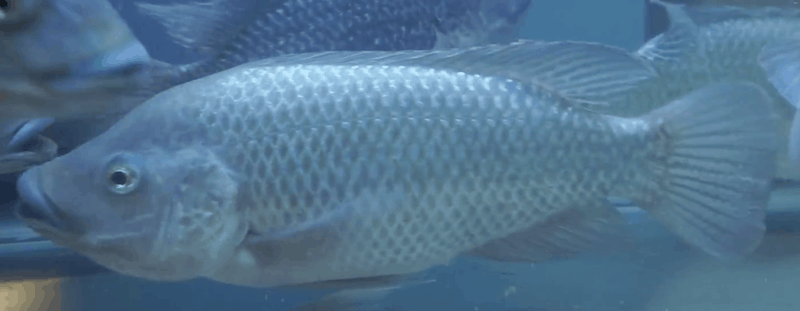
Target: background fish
59, 59
64, 58
781, 62
707, 44
230, 33
368, 167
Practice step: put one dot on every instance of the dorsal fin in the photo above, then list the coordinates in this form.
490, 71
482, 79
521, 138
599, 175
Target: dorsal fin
679, 39
206, 26
581, 71
703, 15
684, 22
781, 63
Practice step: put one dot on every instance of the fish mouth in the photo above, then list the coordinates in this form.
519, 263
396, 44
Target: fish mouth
34, 205
114, 69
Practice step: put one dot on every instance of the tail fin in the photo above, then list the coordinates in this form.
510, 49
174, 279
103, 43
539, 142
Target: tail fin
781, 62
713, 177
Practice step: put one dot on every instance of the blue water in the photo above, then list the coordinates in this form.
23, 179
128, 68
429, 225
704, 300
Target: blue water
650, 279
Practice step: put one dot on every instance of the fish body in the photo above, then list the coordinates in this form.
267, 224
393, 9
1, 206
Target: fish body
231, 33
64, 58
713, 44
59, 59
343, 166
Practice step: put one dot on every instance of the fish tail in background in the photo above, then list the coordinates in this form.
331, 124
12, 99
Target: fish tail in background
202, 27
781, 63
713, 167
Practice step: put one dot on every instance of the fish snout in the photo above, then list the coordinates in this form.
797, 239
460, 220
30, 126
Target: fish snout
34, 204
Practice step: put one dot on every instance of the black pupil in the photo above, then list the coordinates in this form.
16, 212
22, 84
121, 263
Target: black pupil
118, 178
4, 5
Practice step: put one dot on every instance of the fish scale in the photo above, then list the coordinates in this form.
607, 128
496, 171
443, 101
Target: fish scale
362, 168
711, 44
347, 119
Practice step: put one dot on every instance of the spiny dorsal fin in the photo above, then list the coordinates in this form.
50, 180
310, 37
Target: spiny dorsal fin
685, 20
679, 39
206, 26
581, 71
711, 14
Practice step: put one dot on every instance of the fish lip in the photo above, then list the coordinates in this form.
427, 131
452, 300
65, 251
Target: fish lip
119, 68
34, 205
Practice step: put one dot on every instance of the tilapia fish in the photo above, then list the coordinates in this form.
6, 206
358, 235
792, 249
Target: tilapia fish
341, 166
64, 58
234, 32
711, 44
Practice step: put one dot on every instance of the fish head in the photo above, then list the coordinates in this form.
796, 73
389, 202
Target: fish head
67, 47
166, 215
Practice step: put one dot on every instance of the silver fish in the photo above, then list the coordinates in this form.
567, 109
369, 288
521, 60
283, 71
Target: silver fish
230, 33
712, 44
343, 166
781, 62
234, 32
64, 58
59, 58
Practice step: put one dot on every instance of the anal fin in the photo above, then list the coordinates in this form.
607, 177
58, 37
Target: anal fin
597, 227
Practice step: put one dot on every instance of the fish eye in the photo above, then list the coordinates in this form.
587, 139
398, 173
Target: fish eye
14, 10
7, 7
122, 180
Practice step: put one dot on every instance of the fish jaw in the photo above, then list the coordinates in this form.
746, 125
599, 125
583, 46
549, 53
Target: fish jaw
166, 230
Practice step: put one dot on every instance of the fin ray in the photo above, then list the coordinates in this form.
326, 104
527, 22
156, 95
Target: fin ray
711, 181
582, 71
679, 39
595, 227
205, 26
781, 63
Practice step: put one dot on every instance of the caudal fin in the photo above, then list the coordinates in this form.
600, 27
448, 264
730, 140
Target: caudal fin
781, 63
712, 177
